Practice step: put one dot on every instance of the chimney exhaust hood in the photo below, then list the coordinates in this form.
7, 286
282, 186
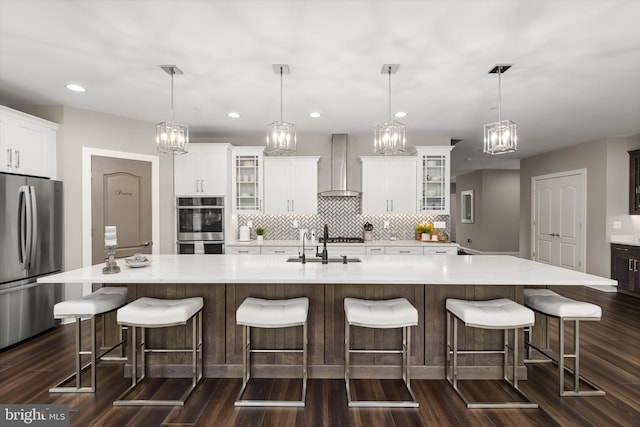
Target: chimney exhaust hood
339, 168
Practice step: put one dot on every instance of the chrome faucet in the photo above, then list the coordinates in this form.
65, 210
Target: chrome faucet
324, 255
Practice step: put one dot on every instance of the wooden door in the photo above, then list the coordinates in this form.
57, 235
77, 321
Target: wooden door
121, 196
558, 220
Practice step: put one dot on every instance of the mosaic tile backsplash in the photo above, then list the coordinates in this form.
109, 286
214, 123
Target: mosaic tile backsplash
342, 215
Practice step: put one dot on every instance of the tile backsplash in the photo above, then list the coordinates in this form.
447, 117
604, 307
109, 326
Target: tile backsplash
342, 215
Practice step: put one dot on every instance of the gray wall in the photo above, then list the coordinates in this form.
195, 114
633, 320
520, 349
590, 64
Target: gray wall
496, 196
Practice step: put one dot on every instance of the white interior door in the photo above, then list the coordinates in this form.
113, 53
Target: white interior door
558, 220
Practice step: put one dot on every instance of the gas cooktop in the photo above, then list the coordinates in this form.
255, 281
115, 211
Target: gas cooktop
343, 240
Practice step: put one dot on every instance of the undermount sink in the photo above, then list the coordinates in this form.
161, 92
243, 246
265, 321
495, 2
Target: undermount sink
317, 260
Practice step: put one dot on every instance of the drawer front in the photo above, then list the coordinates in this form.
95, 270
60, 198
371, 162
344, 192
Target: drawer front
404, 250
441, 251
243, 251
375, 250
345, 250
280, 250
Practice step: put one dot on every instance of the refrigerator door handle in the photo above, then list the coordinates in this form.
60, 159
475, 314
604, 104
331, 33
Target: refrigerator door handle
22, 225
33, 246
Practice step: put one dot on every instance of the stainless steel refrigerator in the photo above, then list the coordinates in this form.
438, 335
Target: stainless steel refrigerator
30, 247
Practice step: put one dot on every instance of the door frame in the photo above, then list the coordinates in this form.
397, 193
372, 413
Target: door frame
87, 154
582, 173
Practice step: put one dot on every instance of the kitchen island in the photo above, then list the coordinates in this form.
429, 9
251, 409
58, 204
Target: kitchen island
426, 281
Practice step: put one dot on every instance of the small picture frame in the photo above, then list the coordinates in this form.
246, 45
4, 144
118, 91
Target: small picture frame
466, 206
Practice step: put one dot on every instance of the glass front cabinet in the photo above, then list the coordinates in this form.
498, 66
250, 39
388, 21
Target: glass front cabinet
434, 179
247, 186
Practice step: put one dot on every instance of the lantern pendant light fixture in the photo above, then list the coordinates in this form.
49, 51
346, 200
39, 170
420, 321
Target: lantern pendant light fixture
500, 137
390, 137
281, 136
171, 137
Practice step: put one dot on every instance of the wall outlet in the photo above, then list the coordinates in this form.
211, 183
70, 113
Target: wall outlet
617, 225
385, 225
295, 223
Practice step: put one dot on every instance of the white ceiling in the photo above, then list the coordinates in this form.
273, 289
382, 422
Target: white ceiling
575, 78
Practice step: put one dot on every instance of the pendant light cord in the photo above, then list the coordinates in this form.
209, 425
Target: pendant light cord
389, 93
281, 94
172, 73
499, 93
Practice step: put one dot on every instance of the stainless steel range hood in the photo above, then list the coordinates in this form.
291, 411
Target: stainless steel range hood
339, 168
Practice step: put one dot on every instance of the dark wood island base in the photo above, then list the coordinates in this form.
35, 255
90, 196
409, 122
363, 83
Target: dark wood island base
223, 338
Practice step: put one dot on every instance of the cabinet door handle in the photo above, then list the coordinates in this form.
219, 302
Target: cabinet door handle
9, 157
243, 252
441, 252
292, 206
202, 185
387, 205
405, 252
278, 252
375, 249
635, 265
629, 262
288, 210
391, 205
17, 159
197, 185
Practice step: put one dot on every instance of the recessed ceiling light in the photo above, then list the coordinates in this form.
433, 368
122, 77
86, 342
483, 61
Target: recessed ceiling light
76, 88
315, 114
400, 114
233, 115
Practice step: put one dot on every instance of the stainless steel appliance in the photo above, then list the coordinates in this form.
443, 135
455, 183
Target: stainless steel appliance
30, 247
200, 225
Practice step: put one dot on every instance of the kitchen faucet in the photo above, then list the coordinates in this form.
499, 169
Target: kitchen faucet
303, 257
324, 254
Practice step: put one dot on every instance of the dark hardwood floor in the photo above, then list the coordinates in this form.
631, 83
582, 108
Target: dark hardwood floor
610, 358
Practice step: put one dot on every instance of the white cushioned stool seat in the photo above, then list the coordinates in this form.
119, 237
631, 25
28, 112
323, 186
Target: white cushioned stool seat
392, 313
263, 313
100, 301
548, 302
154, 312
497, 313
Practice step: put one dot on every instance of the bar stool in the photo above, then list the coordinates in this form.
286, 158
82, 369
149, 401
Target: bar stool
98, 303
263, 313
502, 314
145, 313
380, 314
551, 304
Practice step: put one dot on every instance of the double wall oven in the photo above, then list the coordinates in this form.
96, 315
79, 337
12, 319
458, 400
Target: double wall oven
200, 225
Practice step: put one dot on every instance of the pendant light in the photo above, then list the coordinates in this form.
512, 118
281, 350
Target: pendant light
390, 137
500, 137
171, 137
281, 136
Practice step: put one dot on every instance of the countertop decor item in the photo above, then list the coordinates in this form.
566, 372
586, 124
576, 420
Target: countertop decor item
259, 234
423, 228
137, 261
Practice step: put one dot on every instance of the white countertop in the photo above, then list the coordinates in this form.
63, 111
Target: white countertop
625, 240
377, 269
367, 243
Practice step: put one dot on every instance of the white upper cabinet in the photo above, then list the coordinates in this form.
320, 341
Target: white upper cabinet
291, 185
388, 185
247, 179
203, 171
434, 178
27, 144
